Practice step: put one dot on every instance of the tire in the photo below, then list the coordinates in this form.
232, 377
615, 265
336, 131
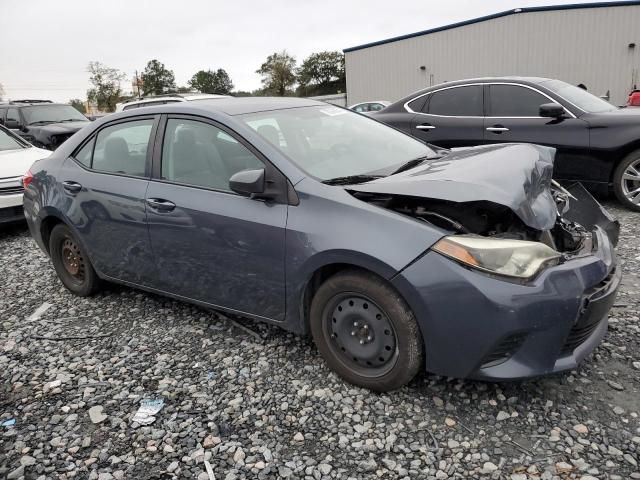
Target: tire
365, 331
71, 262
627, 189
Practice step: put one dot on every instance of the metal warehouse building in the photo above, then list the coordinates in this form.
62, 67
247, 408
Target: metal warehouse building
596, 44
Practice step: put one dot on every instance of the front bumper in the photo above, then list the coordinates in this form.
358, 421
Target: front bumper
478, 326
11, 205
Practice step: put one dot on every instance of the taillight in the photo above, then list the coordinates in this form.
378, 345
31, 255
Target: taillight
27, 179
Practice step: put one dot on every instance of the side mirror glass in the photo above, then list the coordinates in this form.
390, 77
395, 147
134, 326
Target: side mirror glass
248, 182
551, 110
12, 124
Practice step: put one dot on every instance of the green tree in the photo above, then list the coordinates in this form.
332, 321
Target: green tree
156, 79
78, 105
278, 73
322, 73
106, 91
208, 81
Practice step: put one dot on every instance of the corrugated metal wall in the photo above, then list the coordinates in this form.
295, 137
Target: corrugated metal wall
589, 46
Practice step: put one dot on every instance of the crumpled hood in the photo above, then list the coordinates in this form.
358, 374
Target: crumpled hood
517, 176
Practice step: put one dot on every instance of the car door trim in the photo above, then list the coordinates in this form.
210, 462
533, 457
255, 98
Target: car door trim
410, 110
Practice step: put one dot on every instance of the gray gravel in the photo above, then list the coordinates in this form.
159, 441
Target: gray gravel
73, 375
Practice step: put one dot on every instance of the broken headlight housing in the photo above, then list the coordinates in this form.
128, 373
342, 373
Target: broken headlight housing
512, 258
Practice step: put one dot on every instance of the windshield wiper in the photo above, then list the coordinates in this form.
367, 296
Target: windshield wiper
410, 164
351, 179
70, 120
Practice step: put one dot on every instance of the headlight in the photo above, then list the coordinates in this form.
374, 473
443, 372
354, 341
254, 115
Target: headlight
513, 258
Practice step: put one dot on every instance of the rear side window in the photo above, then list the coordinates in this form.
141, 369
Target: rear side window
514, 101
458, 102
85, 153
417, 104
122, 148
200, 154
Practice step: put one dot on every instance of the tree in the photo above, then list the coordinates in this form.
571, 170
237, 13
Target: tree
212, 82
322, 73
1, 91
78, 105
156, 79
278, 73
106, 91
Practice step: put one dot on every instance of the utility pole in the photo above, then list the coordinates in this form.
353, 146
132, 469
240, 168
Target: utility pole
137, 84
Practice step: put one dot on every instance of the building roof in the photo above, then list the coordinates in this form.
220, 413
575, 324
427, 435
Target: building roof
515, 11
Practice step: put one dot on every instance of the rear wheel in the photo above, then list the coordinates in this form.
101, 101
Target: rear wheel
626, 181
365, 331
71, 262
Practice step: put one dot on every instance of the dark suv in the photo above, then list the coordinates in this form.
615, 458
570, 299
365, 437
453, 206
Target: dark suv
42, 123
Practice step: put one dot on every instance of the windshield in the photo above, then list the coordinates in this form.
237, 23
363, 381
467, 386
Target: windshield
582, 99
9, 142
52, 114
329, 142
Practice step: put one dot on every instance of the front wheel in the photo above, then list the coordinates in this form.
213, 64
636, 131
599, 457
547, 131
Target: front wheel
365, 331
626, 181
71, 262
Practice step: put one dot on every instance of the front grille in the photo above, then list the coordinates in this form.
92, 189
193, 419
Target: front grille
590, 317
11, 190
504, 350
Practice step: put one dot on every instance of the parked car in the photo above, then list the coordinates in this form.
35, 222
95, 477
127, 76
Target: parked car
151, 101
597, 144
318, 219
366, 107
41, 122
634, 99
16, 156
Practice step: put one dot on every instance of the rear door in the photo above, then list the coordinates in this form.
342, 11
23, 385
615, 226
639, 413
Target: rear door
513, 116
211, 244
451, 117
104, 184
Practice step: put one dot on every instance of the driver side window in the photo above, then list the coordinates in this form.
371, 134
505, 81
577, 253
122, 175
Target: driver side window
200, 154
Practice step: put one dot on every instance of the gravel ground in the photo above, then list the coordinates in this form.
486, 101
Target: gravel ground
265, 405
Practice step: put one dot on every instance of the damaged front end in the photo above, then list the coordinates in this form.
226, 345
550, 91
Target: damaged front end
497, 192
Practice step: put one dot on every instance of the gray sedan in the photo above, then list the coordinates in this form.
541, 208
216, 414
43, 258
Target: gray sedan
394, 255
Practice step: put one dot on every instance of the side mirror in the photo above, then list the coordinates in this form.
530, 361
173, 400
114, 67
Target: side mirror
248, 182
12, 124
551, 110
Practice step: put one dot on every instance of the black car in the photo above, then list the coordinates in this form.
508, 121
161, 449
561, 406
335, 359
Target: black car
42, 123
597, 143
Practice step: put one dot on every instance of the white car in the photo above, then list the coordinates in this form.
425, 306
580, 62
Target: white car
164, 99
16, 156
373, 106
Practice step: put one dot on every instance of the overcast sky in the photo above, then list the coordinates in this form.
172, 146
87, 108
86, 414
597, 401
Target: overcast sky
46, 45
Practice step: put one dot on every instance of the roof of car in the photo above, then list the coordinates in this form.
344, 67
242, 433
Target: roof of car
242, 105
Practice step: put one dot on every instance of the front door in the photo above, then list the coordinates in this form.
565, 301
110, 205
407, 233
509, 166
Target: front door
451, 117
514, 116
104, 185
211, 244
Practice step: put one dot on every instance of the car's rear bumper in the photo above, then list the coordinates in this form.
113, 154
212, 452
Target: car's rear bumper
479, 326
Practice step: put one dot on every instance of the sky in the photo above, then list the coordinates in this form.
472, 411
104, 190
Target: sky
45, 45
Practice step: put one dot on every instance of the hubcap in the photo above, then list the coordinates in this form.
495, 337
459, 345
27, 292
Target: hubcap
360, 334
72, 259
631, 182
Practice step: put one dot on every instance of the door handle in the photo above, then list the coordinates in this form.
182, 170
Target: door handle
71, 186
497, 129
425, 126
160, 204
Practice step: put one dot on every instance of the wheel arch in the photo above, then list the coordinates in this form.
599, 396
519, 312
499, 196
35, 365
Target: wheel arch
624, 152
322, 269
